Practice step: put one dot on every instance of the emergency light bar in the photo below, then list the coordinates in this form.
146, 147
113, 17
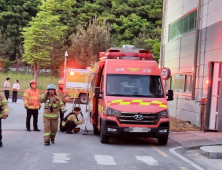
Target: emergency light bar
143, 55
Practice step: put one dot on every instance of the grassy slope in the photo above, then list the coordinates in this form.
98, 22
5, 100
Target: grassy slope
24, 80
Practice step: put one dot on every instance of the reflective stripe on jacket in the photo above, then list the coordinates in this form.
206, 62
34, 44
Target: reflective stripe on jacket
31, 99
4, 110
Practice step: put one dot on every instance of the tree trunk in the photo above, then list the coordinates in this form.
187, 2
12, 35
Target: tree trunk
36, 71
19, 59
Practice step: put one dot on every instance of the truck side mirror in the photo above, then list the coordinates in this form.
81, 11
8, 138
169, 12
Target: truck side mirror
170, 95
97, 93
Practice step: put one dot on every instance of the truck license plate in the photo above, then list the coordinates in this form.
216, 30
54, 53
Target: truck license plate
137, 129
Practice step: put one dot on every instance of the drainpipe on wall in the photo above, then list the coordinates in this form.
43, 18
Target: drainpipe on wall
196, 48
161, 62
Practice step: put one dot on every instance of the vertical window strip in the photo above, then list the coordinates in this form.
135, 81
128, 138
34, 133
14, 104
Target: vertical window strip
183, 26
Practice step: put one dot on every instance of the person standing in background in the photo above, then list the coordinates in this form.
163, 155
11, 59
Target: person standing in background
15, 89
32, 105
7, 87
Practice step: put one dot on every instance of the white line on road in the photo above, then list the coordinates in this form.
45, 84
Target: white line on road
147, 160
105, 160
61, 157
172, 150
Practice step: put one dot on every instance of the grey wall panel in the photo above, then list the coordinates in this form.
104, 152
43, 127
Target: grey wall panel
214, 30
204, 2
188, 50
172, 64
186, 62
201, 46
193, 117
188, 105
185, 2
199, 82
200, 71
200, 59
204, 10
205, 71
173, 103
172, 45
190, 6
214, 5
198, 93
187, 40
214, 43
172, 55
172, 111
202, 34
215, 55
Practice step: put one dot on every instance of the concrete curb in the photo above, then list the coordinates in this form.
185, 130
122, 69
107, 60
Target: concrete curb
212, 152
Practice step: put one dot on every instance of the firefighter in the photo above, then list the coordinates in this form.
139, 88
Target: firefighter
32, 105
51, 113
71, 121
64, 96
4, 111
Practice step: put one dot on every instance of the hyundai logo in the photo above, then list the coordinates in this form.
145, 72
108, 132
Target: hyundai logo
138, 117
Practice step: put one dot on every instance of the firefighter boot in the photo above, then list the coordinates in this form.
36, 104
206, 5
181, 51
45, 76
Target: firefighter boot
53, 140
47, 143
1, 144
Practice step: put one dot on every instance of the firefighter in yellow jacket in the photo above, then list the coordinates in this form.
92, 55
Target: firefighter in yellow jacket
4, 110
65, 97
32, 105
51, 113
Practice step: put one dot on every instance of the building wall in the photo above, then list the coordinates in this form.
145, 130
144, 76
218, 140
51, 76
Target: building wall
178, 54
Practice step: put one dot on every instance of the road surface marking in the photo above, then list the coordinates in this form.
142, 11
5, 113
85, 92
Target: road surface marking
183, 168
61, 157
159, 151
105, 160
172, 150
147, 160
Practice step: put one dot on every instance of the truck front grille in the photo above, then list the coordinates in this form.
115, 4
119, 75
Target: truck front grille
147, 118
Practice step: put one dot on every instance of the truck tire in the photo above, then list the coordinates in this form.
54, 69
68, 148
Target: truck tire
163, 140
83, 98
103, 138
95, 130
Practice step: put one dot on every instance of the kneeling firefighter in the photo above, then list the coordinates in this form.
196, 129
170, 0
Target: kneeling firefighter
51, 113
71, 121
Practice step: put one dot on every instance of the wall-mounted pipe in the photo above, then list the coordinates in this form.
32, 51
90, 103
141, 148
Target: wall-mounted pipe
161, 62
196, 48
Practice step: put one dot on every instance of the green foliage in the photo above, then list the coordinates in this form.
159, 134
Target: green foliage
14, 16
86, 44
155, 45
44, 33
5, 64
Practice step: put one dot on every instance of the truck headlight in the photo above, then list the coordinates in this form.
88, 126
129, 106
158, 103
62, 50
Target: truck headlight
163, 114
112, 112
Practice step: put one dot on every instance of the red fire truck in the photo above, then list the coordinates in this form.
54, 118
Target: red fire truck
128, 96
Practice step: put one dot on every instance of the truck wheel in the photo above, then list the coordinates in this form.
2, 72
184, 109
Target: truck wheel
83, 98
163, 140
95, 130
103, 138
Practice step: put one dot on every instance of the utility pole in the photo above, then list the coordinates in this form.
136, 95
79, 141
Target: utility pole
66, 55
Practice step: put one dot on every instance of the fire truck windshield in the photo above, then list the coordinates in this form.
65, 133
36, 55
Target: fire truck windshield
134, 86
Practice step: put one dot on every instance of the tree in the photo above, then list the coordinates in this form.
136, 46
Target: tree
14, 16
42, 36
86, 44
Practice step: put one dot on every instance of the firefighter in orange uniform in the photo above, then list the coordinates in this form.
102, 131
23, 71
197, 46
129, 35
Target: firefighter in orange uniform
64, 96
4, 111
32, 105
51, 113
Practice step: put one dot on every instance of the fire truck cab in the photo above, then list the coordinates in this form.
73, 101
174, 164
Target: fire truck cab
128, 96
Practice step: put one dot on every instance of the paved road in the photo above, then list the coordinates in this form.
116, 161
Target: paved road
24, 150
